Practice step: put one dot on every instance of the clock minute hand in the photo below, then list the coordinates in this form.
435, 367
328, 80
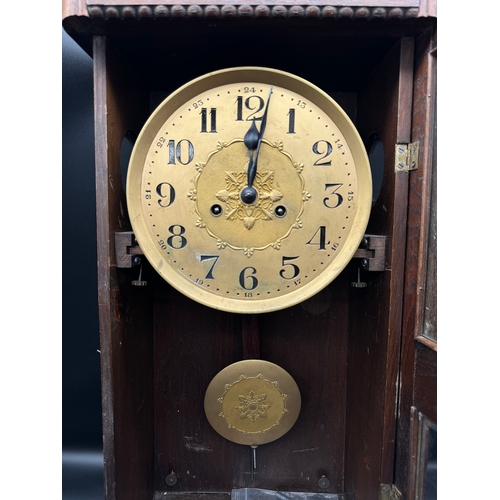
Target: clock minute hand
253, 141
252, 168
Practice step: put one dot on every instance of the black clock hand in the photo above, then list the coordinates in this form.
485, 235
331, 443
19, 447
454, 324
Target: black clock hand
253, 141
251, 138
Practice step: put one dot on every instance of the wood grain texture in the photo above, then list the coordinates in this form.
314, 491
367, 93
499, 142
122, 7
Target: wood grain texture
391, 395
193, 343
375, 313
426, 307
124, 312
250, 336
103, 252
414, 366
310, 342
74, 8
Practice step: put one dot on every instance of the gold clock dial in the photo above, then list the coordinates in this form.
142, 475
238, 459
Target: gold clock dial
249, 190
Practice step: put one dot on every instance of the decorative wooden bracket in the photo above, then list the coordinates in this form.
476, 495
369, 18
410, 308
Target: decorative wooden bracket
371, 251
126, 249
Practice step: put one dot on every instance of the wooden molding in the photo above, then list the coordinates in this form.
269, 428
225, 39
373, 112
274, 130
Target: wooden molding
247, 10
74, 8
154, 9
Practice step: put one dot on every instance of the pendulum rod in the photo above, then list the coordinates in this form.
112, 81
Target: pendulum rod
250, 335
251, 350
253, 460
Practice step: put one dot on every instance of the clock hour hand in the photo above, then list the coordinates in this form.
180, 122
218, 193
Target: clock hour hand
253, 140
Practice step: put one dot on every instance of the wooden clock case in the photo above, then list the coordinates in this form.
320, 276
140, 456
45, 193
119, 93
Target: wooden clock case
365, 366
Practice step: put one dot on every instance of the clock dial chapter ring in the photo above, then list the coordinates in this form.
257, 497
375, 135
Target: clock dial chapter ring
190, 165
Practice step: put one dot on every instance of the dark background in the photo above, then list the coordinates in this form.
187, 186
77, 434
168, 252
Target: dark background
81, 397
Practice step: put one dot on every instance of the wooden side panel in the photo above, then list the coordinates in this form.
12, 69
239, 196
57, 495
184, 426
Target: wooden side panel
124, 312
375, 313
418, 361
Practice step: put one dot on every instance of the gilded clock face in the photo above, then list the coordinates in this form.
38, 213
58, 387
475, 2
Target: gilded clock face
249, 190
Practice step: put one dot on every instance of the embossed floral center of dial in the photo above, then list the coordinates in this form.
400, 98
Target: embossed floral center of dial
233, 221
261, 209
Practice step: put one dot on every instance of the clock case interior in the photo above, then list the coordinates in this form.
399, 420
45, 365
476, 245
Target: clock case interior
160, 350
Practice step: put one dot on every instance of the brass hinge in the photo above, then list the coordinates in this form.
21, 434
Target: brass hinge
389, 492
406, 157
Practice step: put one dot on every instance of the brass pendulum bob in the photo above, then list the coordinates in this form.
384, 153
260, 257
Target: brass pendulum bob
252, 402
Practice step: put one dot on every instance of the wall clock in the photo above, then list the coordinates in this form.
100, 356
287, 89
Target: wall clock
249, 189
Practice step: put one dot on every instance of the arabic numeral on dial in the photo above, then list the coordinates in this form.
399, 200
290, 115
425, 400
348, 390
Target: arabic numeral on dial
292, 268
291, 121
253, 103
176, 240
166, 193
213, 120
215, 258
335, 199
182, 152
324, 149
247, 280
319, 238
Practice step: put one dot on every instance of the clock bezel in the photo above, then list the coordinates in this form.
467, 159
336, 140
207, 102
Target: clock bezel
230, 76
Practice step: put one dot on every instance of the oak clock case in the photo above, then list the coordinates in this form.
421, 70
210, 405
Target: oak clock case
249, 190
